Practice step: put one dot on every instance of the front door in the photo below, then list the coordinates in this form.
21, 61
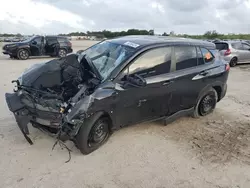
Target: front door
137, 104
35, 46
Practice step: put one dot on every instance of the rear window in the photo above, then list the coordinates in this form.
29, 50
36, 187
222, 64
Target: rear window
62, 39
221, 46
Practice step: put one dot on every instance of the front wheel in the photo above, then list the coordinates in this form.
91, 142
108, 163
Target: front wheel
206, 103
91, 136
23, 54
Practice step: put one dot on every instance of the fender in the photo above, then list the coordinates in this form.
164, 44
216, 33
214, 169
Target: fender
215, 84
26, 47
89, 120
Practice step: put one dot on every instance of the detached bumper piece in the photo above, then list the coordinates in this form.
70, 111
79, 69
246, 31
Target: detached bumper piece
6, 53
20, 113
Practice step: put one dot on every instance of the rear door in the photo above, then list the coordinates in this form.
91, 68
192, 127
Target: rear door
245, 52
238, 51
190, 75
50, 45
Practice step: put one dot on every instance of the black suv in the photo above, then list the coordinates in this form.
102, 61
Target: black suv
39, 46
84, 97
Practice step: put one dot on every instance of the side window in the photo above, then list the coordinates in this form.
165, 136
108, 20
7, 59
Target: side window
38, 40
152, 63
51, 41
186, 57
237, 45
62, 39
207, 55
245, 46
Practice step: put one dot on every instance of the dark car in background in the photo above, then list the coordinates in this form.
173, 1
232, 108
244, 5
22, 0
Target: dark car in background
115, 83
39, 46
234, 52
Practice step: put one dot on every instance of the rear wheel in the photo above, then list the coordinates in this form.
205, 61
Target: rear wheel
206, 103
23, 54
62, 53
233, 62
91, 136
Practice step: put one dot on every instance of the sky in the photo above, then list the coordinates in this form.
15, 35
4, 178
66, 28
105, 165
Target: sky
180, 16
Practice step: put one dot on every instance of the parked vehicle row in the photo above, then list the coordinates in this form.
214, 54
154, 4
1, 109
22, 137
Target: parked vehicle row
85, 96
54, 46
234, 52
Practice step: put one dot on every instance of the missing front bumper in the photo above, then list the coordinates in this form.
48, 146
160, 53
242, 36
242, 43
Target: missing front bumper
46, 121
20, 113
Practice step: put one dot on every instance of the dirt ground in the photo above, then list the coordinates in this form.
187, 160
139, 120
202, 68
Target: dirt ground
213, 151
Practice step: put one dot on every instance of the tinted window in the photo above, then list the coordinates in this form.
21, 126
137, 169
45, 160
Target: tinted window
153, 62
207, 55
245, 46
62, 39
221, 46
237, 45
185, 57
38, 40
51, 41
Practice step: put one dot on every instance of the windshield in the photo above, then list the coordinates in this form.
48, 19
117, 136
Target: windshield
106, 56
29, 39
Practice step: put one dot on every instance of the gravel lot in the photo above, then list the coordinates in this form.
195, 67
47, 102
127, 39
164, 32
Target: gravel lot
189, 153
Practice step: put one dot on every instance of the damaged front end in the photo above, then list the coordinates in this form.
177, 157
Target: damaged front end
47, 93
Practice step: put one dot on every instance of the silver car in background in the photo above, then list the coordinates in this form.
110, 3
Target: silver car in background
234, 52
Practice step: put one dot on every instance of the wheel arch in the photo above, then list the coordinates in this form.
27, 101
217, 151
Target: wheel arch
24, 48
217, 86
218, 90
100, 114
234, 57
62, 48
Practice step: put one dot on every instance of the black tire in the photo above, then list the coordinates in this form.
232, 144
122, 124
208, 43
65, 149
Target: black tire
206, 103
23, 54
233, 62
62, 53
92, 135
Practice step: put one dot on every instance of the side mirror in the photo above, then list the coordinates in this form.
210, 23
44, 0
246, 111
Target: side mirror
34, 42
135, 80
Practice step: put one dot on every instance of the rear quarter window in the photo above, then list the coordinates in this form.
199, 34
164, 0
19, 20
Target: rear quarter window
237, 45
62, 40
221, 46
205, 55
51, 40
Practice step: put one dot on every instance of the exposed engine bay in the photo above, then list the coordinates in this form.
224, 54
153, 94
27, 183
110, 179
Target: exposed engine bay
46, 92
65, 96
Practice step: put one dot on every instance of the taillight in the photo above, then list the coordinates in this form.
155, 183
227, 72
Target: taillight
227, 67
69, 44
228, 52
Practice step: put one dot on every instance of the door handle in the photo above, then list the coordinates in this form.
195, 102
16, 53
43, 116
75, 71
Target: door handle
204, 73
167, 82
141, 101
